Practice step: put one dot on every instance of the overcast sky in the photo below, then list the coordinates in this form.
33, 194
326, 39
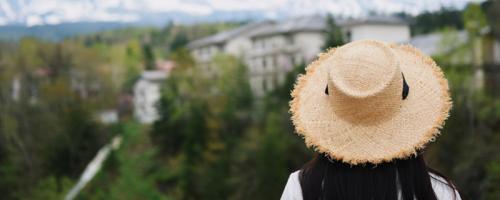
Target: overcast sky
35, 12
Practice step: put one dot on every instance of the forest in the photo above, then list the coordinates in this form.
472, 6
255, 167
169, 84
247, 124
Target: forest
214, 139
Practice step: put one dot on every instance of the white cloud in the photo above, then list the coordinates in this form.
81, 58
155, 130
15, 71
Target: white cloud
6, 9
245, 5
3, 21
34, 20
156, 6
34, 12
52, 19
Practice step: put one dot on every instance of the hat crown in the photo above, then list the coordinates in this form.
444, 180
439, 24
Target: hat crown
363, 68
365, 82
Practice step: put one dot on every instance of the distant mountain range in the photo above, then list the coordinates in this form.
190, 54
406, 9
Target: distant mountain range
56, 32
54, 19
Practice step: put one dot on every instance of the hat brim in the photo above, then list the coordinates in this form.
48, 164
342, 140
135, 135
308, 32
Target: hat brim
418, 122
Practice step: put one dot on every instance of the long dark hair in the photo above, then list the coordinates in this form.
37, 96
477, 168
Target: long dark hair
325, 179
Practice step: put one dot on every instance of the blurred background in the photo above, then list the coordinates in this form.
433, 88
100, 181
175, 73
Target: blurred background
123, 99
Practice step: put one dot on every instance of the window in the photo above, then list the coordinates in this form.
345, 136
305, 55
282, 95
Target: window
275, 61
289, 40
264, 63
270, 62
258, 44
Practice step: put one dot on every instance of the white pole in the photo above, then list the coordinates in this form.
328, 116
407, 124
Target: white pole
93, 167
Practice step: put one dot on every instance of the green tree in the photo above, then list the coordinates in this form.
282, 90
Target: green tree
181, 130
333, 35
131, 172
48, 132
148, 56
182, 58
491, 7
202, 120
474, 19
428, 22
180, 41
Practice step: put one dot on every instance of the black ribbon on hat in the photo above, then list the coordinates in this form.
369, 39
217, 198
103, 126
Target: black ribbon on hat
406, 88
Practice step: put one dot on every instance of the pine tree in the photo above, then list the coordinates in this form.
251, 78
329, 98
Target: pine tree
334, 36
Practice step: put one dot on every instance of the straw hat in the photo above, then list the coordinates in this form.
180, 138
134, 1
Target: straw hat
370, 102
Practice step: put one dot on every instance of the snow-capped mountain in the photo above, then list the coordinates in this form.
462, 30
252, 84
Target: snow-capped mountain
43, 12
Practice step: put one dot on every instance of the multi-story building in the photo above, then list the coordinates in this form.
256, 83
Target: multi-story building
385, 28
270, 49
234, 42
280, 46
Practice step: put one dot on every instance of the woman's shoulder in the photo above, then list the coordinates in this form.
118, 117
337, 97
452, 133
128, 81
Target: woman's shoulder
295, 175
292, 190
442, 188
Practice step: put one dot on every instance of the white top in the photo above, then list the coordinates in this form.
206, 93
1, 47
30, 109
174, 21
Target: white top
293, 190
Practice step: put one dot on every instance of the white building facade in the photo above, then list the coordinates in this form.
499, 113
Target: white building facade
271, 49
147, 93
389, 29
279, 47
234, 42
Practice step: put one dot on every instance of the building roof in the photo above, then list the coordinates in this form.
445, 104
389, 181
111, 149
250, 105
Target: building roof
431, 44
376, 20
154, 75
224, 36
296, 24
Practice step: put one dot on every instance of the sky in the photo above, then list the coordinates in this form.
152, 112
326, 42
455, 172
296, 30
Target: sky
39, 12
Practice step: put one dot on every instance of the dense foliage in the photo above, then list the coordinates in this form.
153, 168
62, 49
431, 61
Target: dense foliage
334, 36
428, 22
49, 93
